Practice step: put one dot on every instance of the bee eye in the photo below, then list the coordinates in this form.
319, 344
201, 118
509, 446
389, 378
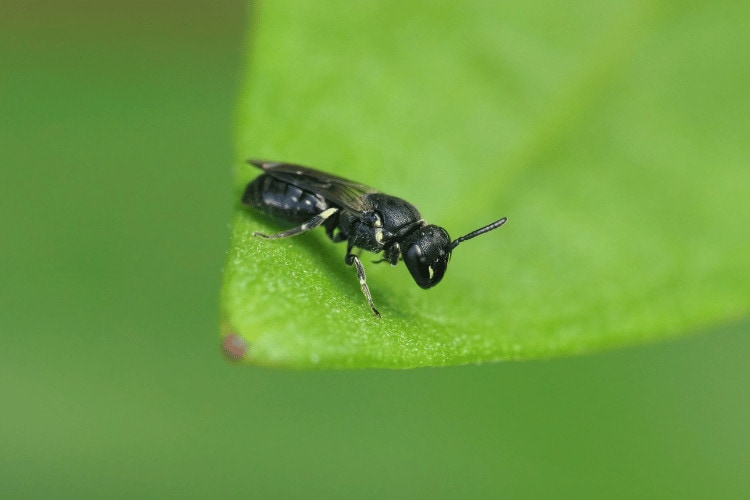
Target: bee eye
414, 260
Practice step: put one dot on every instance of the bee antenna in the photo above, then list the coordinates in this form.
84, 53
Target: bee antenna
479, 231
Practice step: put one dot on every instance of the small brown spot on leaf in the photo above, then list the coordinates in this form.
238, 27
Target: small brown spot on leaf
234, 346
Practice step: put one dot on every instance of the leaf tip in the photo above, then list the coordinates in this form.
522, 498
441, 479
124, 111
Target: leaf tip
234, 346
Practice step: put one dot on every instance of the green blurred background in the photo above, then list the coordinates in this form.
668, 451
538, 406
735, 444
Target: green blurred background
115, 194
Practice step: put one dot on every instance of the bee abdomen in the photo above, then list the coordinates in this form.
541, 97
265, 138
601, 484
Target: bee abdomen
283, 200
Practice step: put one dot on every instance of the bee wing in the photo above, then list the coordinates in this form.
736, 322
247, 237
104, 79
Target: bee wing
343, 192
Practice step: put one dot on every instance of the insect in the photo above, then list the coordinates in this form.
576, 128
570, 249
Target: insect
360, 215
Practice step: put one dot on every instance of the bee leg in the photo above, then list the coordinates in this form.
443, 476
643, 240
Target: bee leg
307, 226
353, 260
391, 254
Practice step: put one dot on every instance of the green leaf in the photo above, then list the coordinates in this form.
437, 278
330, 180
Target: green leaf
614, 138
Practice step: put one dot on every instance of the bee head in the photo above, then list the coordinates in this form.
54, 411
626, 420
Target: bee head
426, 253
427, 250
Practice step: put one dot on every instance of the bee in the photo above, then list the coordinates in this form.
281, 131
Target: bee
358, 214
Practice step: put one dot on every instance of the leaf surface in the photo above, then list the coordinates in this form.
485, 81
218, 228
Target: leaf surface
614, 138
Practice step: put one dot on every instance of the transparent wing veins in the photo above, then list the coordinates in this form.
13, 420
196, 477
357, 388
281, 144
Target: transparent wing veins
340, 191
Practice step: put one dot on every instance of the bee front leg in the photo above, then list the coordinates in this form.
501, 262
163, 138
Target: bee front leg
307, 226
353, 260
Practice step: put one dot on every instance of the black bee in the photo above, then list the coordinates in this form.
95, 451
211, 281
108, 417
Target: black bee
357, 214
